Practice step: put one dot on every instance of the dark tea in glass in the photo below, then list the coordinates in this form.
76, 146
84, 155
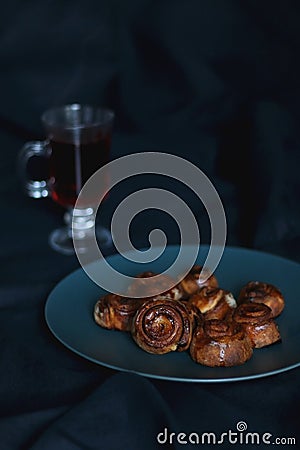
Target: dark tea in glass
79, 144
72, 165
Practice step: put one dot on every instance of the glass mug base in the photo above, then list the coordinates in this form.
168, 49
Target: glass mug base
61, 240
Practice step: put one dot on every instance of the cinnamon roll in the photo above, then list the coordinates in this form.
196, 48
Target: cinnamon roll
115, 312
161, 326
146, 286
219, 343
195, 314
258, 323
214, 303
195, 280
259, 292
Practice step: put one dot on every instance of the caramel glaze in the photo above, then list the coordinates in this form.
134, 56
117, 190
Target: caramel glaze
143, 286
115, 312
162, 325
219, 343
194, 281
258, 323
259, 292
213, 302
195, 315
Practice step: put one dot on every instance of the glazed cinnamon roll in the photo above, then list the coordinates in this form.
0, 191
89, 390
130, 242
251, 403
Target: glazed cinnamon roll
114, 312
195, 314
194, 280
219, 343
146, 286
214, 303
161, 326
259, 292
258, 323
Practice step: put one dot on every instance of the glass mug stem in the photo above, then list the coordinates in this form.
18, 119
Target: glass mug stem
80, 221
80, 225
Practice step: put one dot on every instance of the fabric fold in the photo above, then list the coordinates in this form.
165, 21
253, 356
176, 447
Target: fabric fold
126, 411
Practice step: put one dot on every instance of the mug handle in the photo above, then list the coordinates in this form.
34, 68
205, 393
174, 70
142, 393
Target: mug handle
33, 188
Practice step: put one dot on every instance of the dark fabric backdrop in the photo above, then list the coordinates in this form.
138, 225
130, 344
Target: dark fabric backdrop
215, 82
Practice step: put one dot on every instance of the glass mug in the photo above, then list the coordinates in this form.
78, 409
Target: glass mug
78, 143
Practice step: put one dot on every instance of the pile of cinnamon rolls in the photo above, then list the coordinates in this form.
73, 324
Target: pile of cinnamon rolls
197, 316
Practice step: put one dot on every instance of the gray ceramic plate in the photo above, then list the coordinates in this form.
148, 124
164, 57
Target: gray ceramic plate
69, 315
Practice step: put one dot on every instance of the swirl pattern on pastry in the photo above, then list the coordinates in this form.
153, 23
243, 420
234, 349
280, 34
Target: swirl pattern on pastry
194, 280
115, 312
219, 343
162, 325
258, 323
259, 292
214, 303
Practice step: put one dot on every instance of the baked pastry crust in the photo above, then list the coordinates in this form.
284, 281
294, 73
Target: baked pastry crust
258, 323
213, 302
195, 280
260, 292
146, 286
115, 312
219, 343
194, 314
162, 325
